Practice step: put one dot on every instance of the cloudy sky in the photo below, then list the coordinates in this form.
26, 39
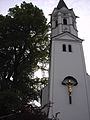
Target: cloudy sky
81, 9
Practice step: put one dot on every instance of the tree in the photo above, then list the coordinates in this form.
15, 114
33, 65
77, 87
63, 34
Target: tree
24, 48
30, 112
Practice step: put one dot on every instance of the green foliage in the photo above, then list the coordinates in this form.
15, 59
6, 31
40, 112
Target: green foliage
23, 44
9, 102
29, 113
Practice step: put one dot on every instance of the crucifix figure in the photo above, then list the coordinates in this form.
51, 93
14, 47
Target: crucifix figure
69, 82
70, 91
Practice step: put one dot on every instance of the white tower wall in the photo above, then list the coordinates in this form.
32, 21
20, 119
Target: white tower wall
68, 64
67, 61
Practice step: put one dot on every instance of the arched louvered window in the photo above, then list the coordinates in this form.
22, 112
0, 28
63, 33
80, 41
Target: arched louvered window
65, 21
56, 23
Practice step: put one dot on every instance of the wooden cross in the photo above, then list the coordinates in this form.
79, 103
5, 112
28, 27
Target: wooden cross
70, 82
70, 91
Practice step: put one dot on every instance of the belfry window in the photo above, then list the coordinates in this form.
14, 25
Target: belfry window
69, 48
65, 21
64, 48
56, 23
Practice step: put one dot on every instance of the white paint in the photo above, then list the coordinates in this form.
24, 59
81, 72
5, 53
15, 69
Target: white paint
64, 64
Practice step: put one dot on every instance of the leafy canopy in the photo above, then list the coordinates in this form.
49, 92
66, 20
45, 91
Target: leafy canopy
23, 44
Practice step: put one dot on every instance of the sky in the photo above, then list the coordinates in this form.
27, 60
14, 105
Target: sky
81, 9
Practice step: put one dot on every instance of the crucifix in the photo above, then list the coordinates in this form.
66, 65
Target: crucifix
69, 82
70, 91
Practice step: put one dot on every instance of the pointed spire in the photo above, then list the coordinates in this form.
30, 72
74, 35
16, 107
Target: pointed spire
61, 4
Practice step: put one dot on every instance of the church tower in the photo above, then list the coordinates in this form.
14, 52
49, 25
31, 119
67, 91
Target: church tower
69, 85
